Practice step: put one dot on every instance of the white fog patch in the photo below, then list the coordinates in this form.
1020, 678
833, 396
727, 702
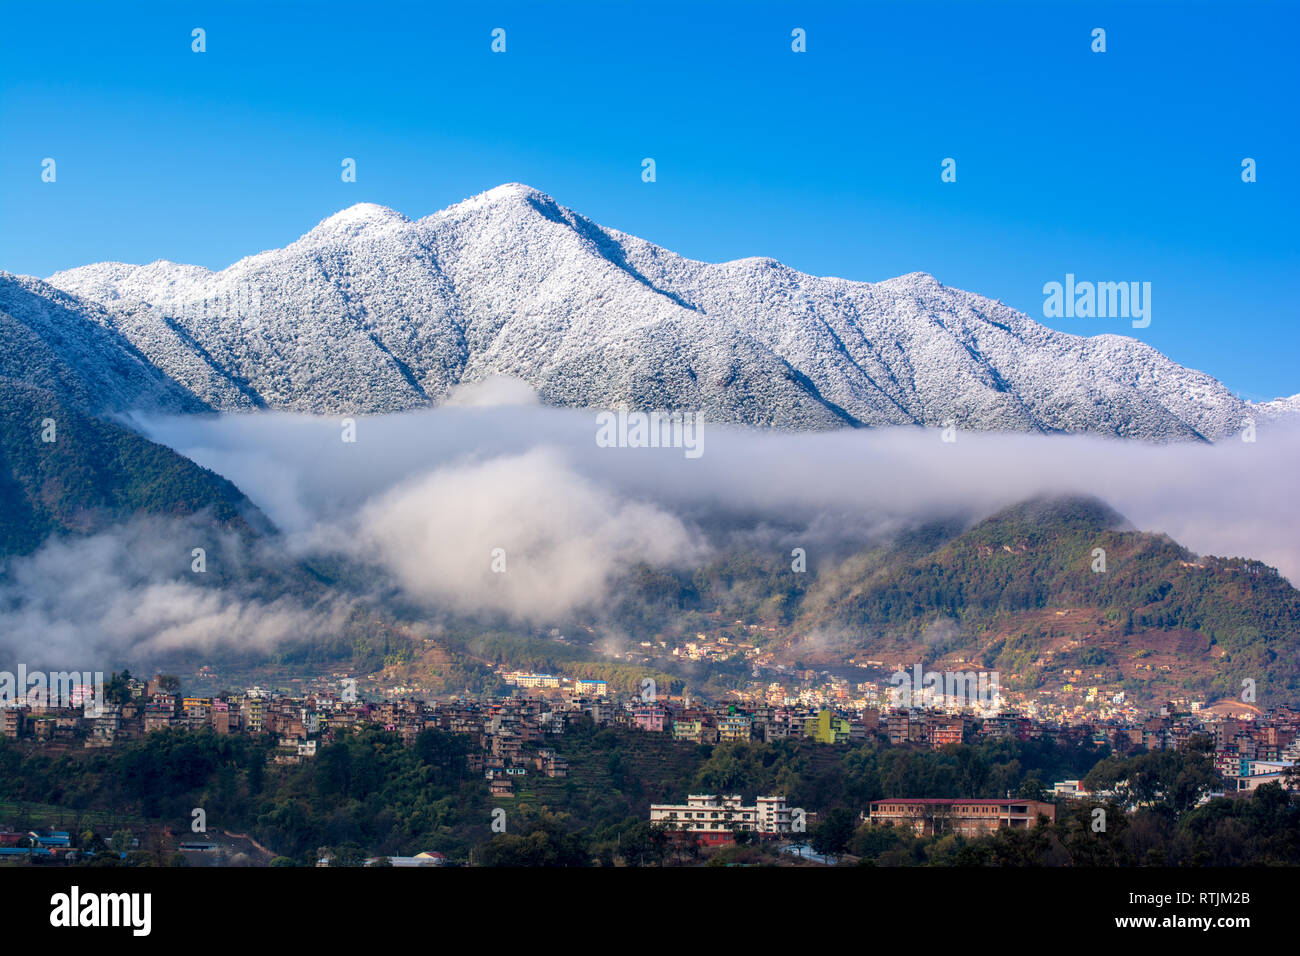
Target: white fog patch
129, 594
838, 489
492, 392
523, 535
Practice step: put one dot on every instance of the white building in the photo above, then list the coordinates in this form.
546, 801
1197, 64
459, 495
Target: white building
1069, 788
527, 679
1266, 771
715, 818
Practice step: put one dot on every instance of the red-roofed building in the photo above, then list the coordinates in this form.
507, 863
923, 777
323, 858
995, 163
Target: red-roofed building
965, 817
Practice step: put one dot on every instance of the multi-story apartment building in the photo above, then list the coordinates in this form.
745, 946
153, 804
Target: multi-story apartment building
551, 763
196, 712
220, 717
650, 718
552, 722
105, 727
160, 713
734, 727
692, 730
526, 679
864, 726
827, 728
713, 820
252, 714
12, 720
601, 711
898, 726
946, 730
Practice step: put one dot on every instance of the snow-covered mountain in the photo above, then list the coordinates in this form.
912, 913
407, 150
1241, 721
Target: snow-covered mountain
371, 311
1279, 408
70, 349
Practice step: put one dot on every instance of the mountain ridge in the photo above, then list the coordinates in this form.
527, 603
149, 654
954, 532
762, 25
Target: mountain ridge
371, 311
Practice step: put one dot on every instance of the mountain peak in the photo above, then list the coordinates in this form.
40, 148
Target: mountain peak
512, 190
362, 215
915, 281
1072, 512
505, 194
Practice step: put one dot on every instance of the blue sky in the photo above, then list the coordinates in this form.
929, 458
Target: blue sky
1117, 166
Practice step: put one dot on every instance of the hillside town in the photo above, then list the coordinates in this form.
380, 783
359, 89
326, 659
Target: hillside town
509, 734
1062, 693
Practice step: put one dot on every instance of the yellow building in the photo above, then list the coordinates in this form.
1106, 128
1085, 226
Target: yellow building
826, 728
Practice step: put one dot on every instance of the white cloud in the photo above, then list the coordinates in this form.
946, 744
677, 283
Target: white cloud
843, 488
561, 537
130, 595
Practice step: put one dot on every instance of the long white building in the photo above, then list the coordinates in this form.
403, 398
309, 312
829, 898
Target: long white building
713, 819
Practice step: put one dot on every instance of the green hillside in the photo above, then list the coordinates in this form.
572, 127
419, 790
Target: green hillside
94, 473
1017, 593
1231, 618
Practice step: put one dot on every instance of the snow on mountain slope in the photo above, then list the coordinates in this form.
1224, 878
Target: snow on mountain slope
371, 311
1279, 408
70, 347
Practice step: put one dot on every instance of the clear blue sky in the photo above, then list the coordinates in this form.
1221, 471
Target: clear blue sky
1116, 166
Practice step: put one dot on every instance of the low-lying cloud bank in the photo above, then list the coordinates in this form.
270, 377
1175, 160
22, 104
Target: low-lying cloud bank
442, 501
132, 594
493, 476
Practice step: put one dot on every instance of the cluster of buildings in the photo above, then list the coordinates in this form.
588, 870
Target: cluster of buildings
35, 844
1251, 747
1255, 752
499, 727
510, 733
1249, 751
711, 820
717, 648
151, 706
